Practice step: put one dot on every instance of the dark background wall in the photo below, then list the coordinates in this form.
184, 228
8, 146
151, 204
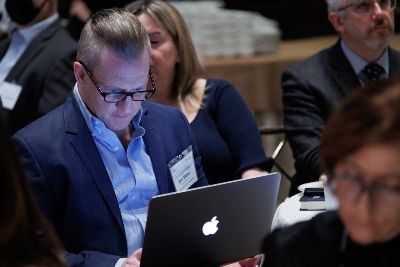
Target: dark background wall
297, 19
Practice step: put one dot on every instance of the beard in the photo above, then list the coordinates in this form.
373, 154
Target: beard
375, 44
379, 35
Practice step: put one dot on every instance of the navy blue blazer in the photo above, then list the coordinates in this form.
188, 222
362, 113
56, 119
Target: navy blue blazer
311, 91
72, 185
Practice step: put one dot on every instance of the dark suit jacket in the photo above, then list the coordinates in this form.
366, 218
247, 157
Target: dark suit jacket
45, 73
317, 242
72, 185
311, 90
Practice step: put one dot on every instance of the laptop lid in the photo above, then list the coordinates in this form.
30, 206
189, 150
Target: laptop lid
210, 225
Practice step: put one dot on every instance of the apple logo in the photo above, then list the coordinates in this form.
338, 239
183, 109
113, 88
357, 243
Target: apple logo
210, 228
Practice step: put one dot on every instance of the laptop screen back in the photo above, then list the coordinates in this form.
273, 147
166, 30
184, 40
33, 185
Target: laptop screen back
210, 225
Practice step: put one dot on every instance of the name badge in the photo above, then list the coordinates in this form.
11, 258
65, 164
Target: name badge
183, 170
9, 93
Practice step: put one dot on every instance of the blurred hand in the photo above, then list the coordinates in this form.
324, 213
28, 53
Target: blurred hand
134, 259
249, 262
253, 172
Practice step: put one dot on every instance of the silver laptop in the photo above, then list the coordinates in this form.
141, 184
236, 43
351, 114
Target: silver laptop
210, 225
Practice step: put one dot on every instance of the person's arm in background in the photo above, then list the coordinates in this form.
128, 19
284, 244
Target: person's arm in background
253, 172
239, 129
303, 122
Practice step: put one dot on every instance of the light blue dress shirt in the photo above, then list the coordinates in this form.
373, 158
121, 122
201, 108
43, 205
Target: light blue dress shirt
358, 63
20, 40
131, 172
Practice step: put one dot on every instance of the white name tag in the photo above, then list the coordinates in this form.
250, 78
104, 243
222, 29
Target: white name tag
9, 93
183, 170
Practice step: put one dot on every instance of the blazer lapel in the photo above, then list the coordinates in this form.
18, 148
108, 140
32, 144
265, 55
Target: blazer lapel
342, 71
82, 141
4, 44
33, 49
156, 152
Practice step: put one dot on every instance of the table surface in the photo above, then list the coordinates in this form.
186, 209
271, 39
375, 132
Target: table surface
288, 212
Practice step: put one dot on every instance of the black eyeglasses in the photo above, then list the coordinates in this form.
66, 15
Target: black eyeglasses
116, 97
350, 187
366, 7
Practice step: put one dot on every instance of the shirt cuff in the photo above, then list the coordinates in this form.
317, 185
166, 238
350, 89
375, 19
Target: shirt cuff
120, 262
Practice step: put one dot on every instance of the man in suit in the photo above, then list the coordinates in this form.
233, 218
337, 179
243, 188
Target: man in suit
312, 88
96, 161
35, 62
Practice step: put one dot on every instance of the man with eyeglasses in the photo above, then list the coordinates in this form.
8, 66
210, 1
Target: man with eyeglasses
96, 161
312, 88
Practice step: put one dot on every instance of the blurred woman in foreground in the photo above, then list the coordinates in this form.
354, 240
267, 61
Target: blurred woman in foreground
361, 154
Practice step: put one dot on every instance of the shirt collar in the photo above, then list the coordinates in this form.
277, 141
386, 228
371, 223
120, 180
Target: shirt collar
358, 63
32, 31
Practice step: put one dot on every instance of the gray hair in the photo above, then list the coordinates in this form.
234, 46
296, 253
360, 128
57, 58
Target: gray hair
116, 29
334, 4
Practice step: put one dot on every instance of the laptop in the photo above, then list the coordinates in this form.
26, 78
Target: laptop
210, 225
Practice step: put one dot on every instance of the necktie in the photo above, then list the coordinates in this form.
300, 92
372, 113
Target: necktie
373, 72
